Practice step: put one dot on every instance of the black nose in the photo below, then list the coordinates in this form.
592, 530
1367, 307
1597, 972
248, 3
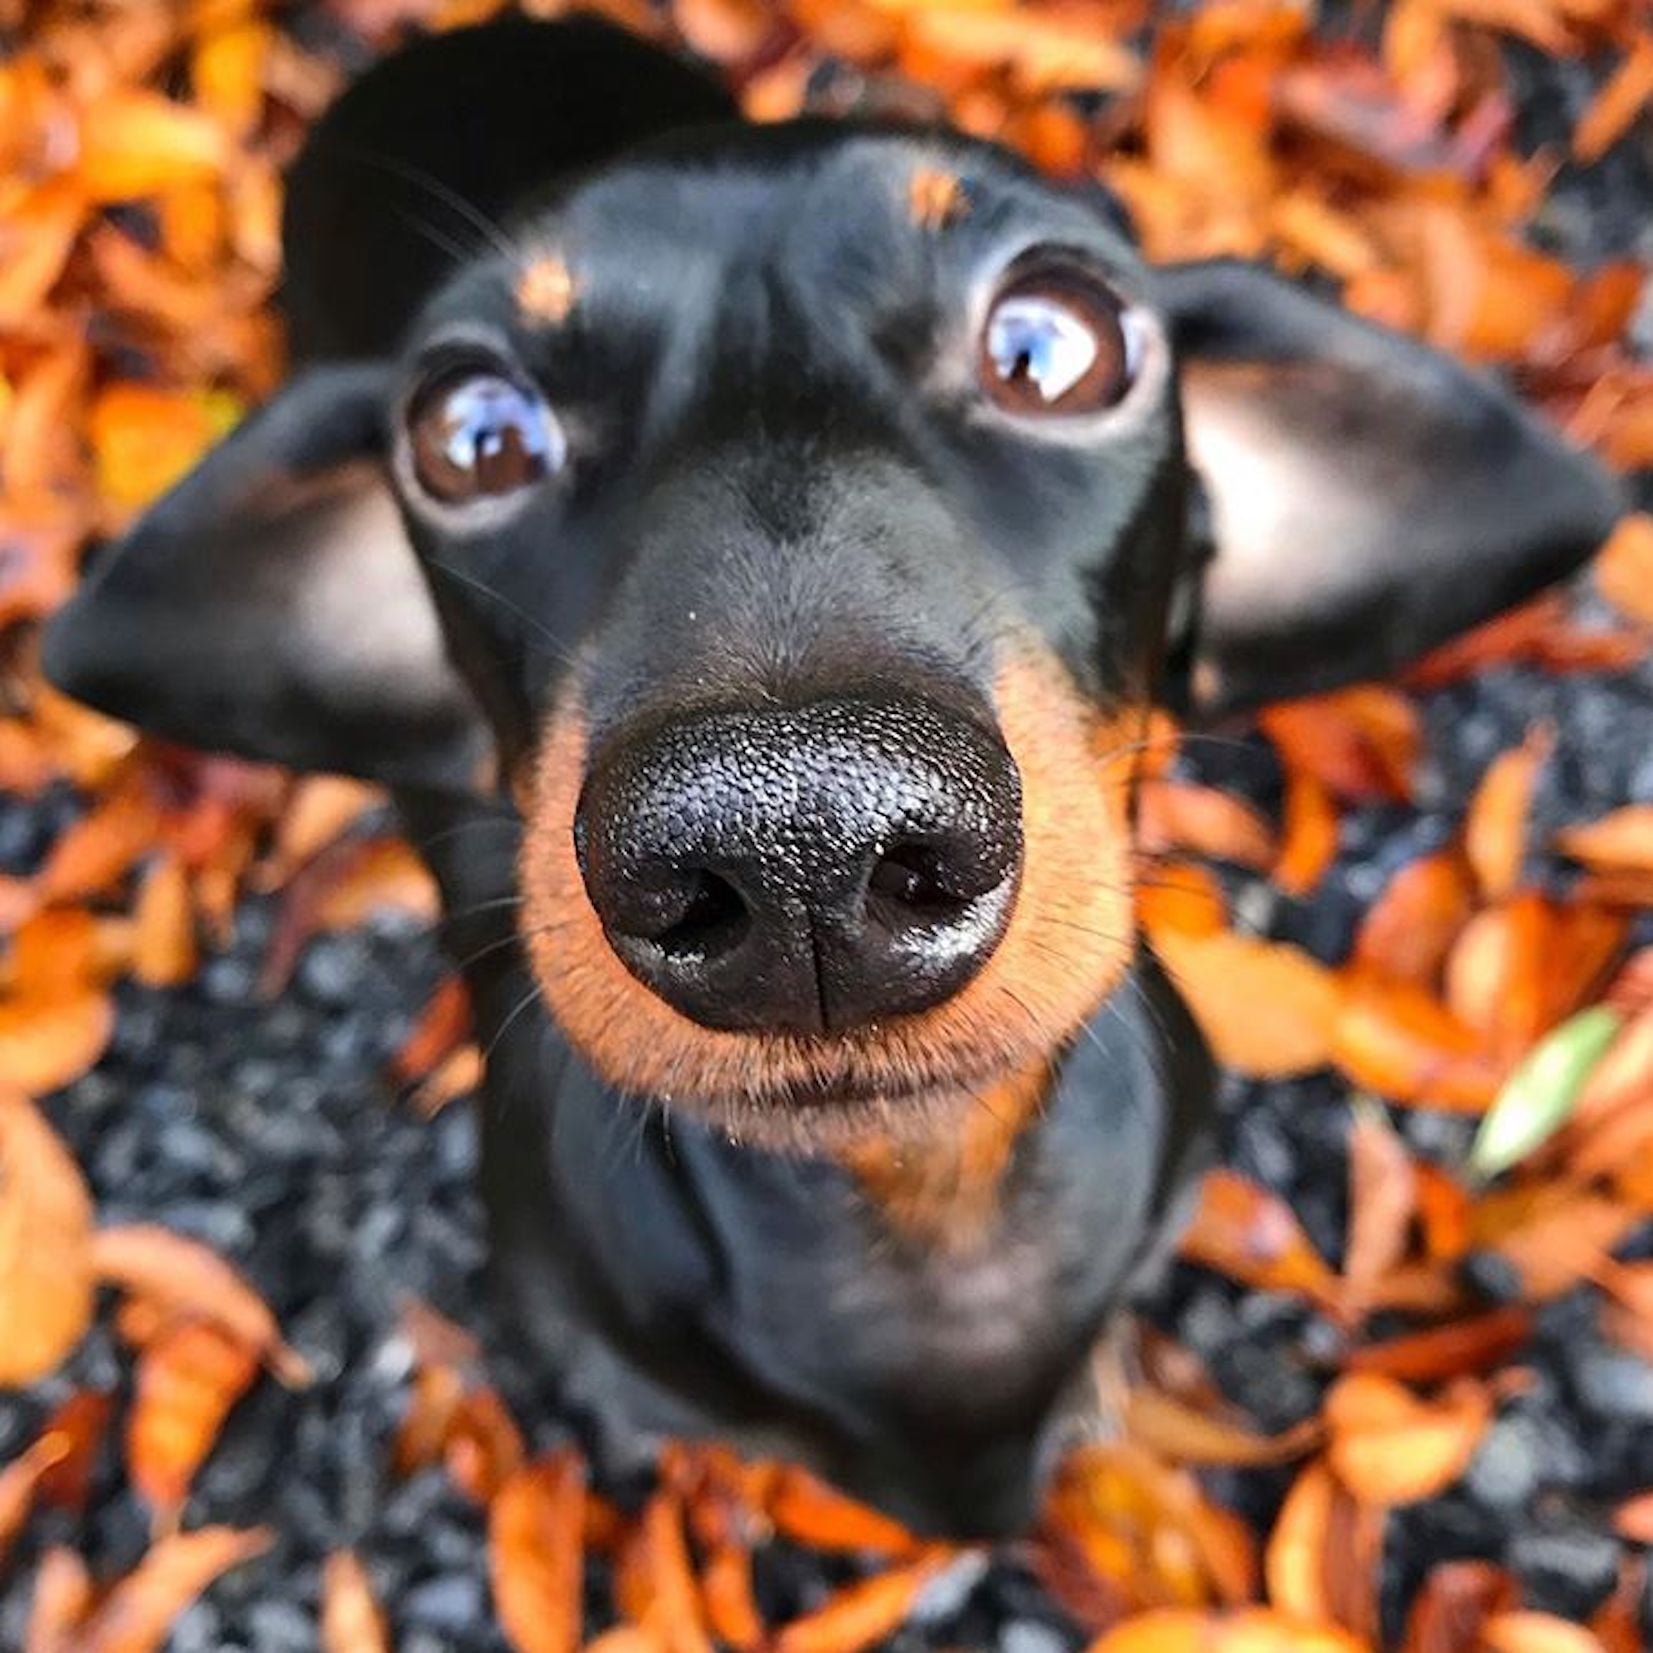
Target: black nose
809, 869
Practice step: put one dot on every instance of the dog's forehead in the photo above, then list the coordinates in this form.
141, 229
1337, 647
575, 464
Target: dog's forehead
836, 214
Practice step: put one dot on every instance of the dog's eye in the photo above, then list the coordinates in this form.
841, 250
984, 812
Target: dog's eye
1055, 343
477, 434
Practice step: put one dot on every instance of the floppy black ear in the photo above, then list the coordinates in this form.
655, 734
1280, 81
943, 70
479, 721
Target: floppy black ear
1365, 496
270, 605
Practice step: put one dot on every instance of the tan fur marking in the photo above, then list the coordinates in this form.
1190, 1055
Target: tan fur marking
546, 290
935, 198
942, 1192
1067, 945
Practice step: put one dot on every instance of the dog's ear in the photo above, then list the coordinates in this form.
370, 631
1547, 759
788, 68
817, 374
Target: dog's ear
270, 605
1364, 496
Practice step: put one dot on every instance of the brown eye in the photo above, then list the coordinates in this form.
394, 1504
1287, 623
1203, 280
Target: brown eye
1055, 343
480, 434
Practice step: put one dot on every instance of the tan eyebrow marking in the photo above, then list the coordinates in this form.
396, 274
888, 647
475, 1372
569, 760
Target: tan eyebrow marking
546, 289
935, 198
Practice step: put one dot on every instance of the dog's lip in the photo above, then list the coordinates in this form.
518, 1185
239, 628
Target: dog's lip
845, 1091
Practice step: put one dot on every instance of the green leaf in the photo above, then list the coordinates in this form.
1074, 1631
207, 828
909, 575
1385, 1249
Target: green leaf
1538, 1098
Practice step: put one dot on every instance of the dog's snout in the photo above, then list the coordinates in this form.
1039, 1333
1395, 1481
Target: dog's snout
807, 870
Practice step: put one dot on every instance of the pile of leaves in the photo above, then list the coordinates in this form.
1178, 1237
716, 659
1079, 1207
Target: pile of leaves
1498, 974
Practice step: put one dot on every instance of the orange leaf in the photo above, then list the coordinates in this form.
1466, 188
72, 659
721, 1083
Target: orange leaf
484, 1447
1245, 1232
47, 1043
1619, 842
1382, 1201
1617, 104
351, 1619
1360, 743
19, 1483
726, 31
137, 1614
387, 876
1252, 1630
1461, 1346
78, 1426
536, 1554
1389, 1448
189, 1379
1309, 844
1267, 1007
62, 1599
1633, 1519
1294, 1564
1180, 895
1186, 1435
1173, 815
862, 1615
810, 1512
1401, 1042
1564, 1242
164, 952
1495, 830
1455, 1601
45, 1257
135, 142
1536, 1633
189, 1280
1624, 567
443, 1026
1409, 930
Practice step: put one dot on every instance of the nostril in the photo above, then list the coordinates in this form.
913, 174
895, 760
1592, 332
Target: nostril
913, 881
713, 920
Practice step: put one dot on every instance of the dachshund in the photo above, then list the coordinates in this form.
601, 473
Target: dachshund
751, 555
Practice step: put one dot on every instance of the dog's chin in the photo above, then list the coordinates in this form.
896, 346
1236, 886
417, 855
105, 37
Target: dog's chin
840, 1110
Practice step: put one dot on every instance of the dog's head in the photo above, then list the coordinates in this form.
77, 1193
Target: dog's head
798, 524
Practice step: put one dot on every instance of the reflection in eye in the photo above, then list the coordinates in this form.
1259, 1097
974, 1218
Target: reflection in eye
479, 434
1055, 343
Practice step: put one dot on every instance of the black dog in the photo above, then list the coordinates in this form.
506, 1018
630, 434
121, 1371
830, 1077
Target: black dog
751, 567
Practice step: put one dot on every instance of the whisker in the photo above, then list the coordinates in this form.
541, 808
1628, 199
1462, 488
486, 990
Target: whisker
490, 229
558, 650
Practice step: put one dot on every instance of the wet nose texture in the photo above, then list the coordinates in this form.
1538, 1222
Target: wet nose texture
807, 870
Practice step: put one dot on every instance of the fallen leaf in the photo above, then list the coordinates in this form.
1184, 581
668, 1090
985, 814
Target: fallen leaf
164, 953
45, 1250
1382, 1202
1633, 1519
1241, 1230
1537, 1099
136, 142
536, 1554
1267, 1007
862, 1615
19, 1483
484, 1448
1186, 1435
1618, 102
1409, 930
1619, 842
1495, 829
810, 1512
1388, 1447
62, 1599
352, 1620
1174, 815
78, 1425
189, 1379
191, 1281
1401, 1042
1535, 1633
1453, 1603
1309, 843
1252, 1630
137, 1614
1453, 1350
49, 1042
1360, 743
1624, 567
